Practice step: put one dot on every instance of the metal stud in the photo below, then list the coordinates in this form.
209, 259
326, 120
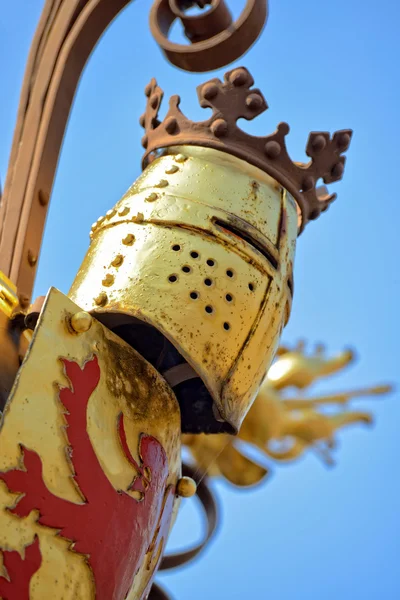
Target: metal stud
118, 260
186, 487
108, 280
162, 183
151, 197
128, 239
123, 211
81, 321
171, 170
101, 299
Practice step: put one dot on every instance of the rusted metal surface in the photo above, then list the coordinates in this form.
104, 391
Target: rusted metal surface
217, 41
230, 100
66, 35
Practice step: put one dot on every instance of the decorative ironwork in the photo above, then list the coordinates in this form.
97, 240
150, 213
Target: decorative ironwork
231, 100
80, 460
65, 37
215, 40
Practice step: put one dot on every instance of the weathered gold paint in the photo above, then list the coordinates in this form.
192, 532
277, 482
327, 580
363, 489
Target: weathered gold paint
33, 417
218, 299
8, 295
13, 343
81, 322
283, 429
186, 487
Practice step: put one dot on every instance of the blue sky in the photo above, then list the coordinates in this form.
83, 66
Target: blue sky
309, 532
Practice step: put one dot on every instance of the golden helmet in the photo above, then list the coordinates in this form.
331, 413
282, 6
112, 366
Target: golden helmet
194, 266
200, 248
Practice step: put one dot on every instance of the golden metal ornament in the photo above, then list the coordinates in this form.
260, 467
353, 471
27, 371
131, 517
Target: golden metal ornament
284, 428
66, 466
8, 296
201, 248
13, 339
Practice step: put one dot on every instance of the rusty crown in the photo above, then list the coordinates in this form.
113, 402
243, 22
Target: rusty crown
234, 99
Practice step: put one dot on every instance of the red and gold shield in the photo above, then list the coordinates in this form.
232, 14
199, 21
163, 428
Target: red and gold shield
89, 461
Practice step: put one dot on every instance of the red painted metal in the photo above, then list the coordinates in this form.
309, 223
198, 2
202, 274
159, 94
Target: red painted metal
115, 531
20, 571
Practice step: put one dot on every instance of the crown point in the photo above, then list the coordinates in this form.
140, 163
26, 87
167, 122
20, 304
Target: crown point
343, 141
318, 143
337, 170
154, 101
238, 77
148, 88
209, 91
219, 127
308, 183
283, 128
272, 149
171, 125
254, 101
232, 99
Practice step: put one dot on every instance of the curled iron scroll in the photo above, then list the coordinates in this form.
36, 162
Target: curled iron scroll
207, 499
172, 561
215, 40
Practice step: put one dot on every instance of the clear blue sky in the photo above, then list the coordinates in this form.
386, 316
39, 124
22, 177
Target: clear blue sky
309, 533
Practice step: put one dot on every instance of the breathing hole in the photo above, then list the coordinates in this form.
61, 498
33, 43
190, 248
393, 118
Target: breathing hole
194, 254
172, 278
186, 269
229, 297
227, 326
194, 295
251, 287
210, 262
176, 248
229, 272
208, 282
209, 309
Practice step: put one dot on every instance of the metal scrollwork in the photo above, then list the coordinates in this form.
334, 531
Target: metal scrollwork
215, 39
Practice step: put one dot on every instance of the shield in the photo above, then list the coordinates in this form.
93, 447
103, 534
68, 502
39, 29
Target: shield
90, 458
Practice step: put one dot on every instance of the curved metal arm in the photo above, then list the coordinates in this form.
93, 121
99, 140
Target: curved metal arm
66, 35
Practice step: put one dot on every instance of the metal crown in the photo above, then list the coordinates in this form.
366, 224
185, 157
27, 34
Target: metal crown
234, 99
